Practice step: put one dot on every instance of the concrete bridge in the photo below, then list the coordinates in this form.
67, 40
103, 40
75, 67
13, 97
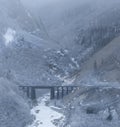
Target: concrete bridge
56, 92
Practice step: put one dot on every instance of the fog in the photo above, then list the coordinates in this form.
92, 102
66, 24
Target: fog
42, 3
49, 9
66, 3
61, 42
59, 16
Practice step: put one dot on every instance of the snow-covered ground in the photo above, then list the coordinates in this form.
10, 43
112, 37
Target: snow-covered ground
9, 36
46, 116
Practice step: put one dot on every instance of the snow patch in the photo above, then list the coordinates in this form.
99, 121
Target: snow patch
9, 36
45, 115
75, 62
65, 80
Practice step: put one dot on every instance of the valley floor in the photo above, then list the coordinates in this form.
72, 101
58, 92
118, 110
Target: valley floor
46, 116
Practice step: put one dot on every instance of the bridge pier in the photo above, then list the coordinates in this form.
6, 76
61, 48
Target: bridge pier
52, 93
62, 92
56, 92
70, 89
28, 92
33, 94
67, 91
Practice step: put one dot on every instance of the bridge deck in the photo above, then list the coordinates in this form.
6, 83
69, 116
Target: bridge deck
48, 87
55, 91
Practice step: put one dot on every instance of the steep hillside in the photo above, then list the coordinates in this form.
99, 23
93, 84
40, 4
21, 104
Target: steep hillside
66, 21
22, 48
15, 16
104, 64
60, 43
14, 111
94, 106
81, 28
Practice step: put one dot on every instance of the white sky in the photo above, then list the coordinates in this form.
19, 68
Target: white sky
42, 3
38, 2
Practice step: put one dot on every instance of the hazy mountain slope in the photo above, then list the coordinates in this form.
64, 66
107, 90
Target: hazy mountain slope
102, 55
65, 20
22, 49
17, 17
30, 57
21, 61
14, 111
104, 64
81, 27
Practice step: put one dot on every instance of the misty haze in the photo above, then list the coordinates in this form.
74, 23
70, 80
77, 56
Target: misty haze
59, 63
